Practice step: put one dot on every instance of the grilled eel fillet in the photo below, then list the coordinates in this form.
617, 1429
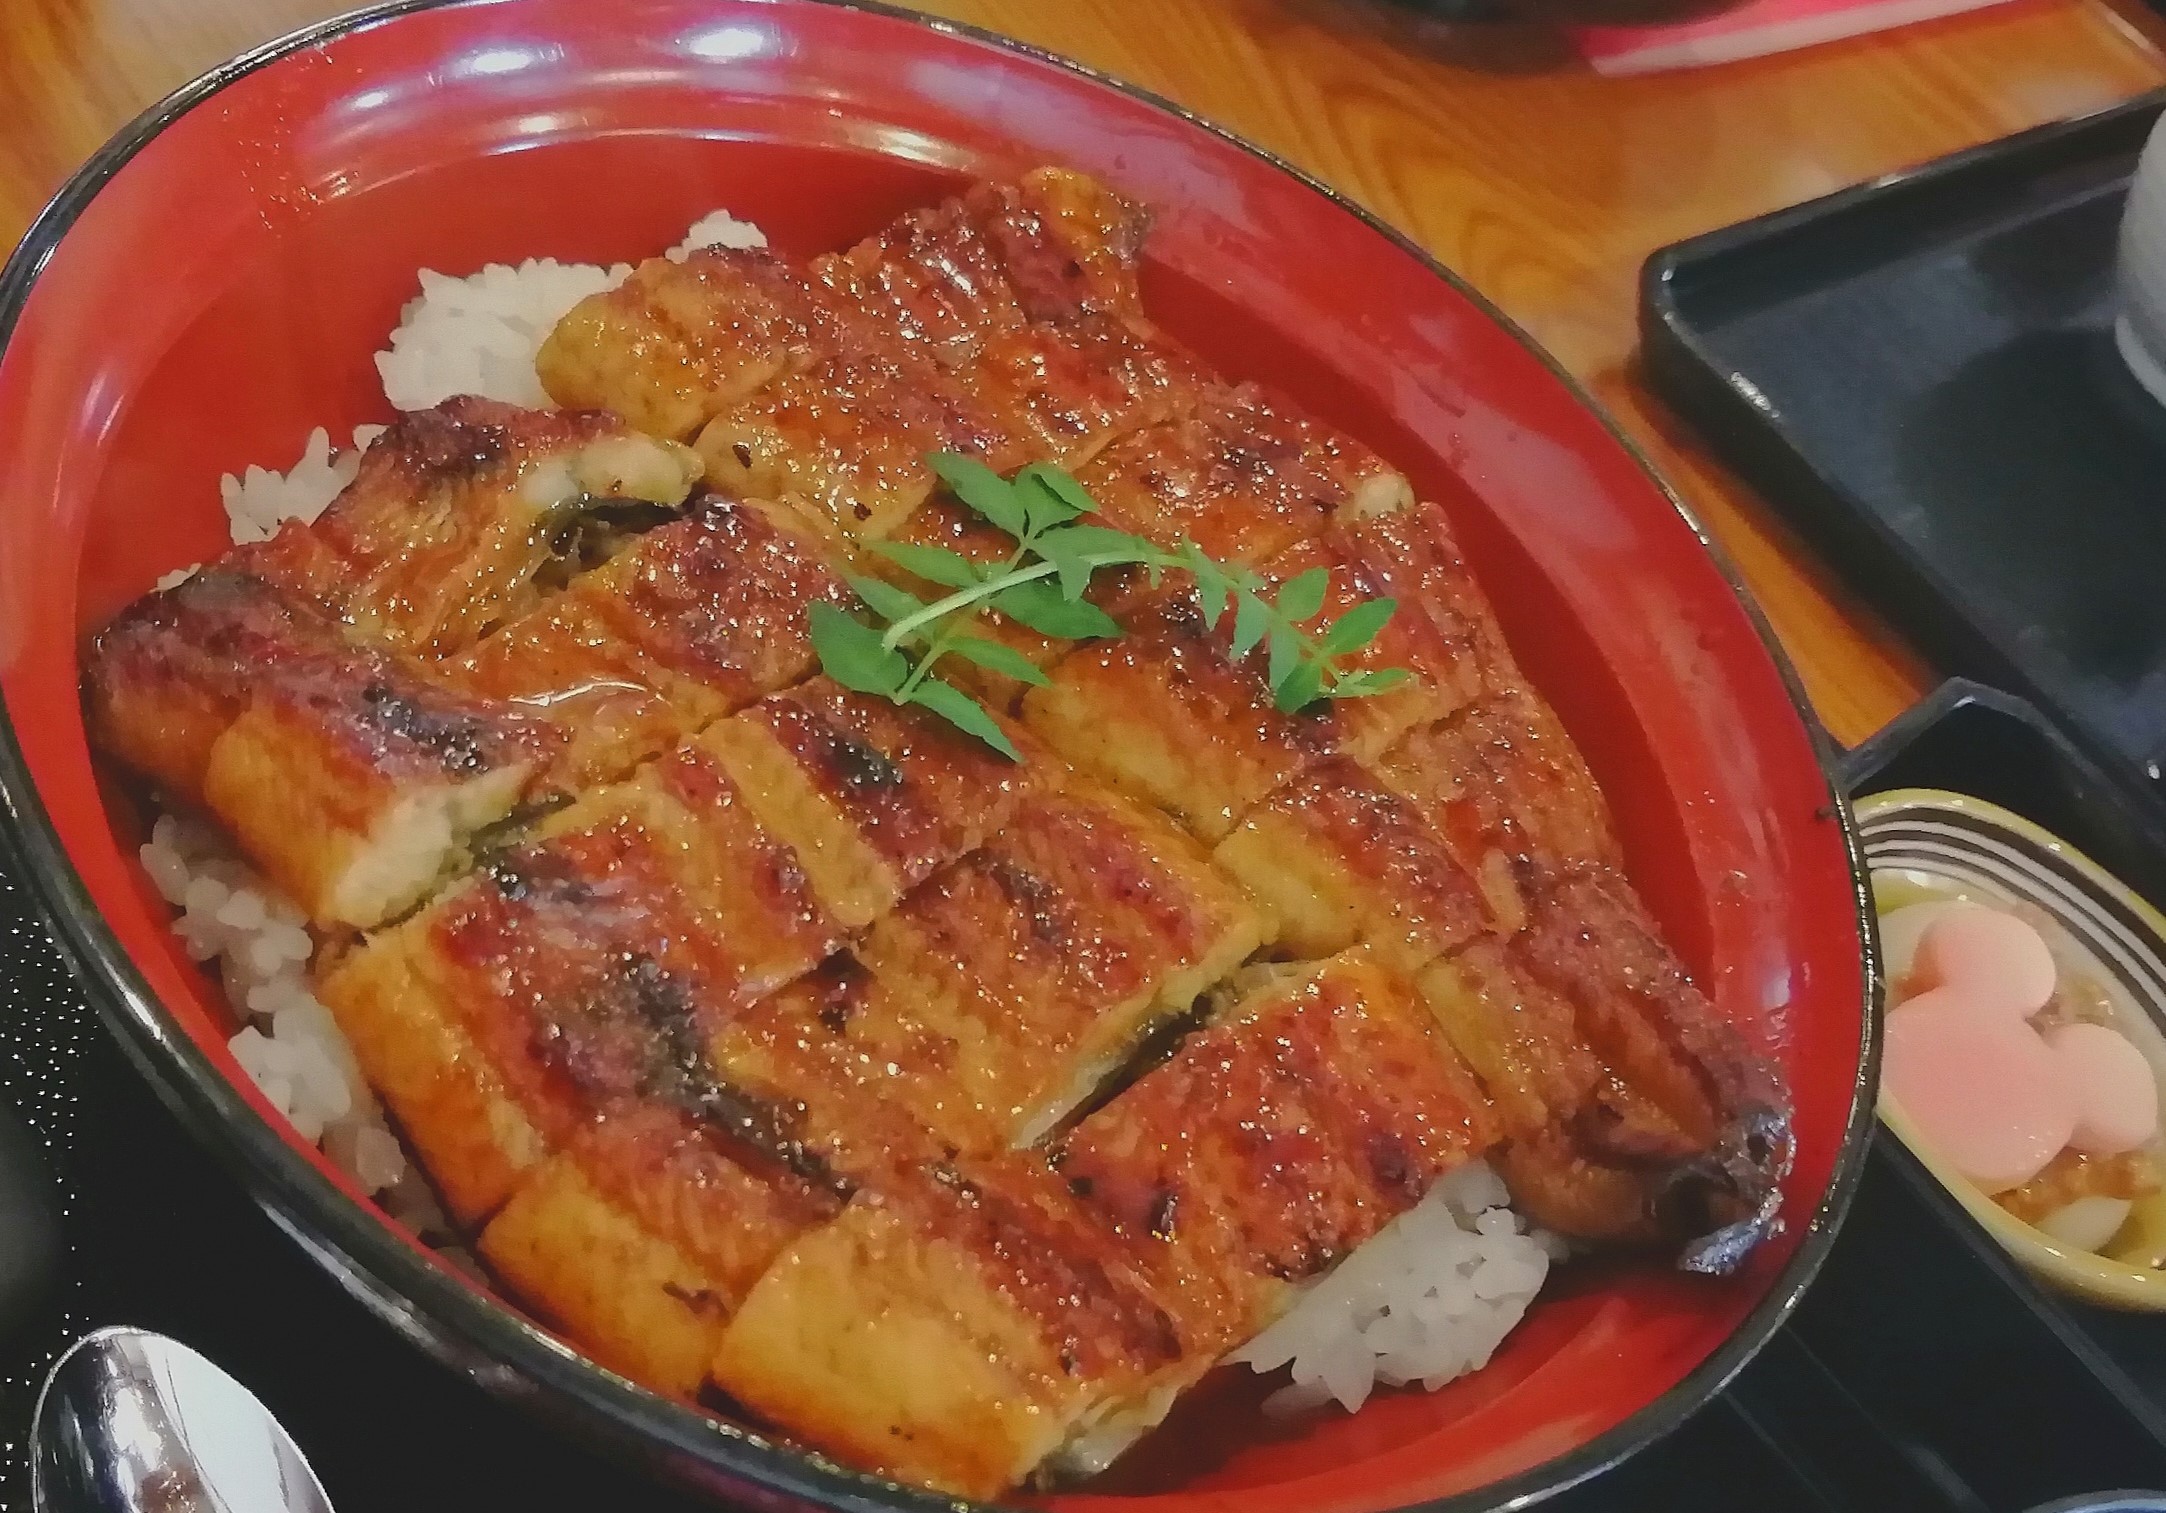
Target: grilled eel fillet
678, 343
716, 878
346, 773
1315, 1108
686, 624
1004, 325
1474, 856
1164, 714
849, 433
1051, 247
603, 1044
1431, 824
538, 1036
1656, 1123
541, 1030
969, 1321
1013, 985
357, 777
289, 690
537, 1032
1243, 475
457, 513
514, 1024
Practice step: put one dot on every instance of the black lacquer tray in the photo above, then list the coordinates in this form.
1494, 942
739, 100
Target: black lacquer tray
1919, 373
153, 1232
1923, 1374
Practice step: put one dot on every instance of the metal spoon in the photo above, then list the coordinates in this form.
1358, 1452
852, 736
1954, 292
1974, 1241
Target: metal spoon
132, 1422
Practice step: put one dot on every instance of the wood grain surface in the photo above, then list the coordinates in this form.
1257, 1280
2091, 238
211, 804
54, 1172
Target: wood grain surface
1543, 184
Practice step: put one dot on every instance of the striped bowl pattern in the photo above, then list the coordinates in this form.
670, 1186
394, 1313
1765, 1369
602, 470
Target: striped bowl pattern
1955, 845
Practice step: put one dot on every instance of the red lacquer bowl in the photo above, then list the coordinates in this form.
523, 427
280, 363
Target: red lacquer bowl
211, 287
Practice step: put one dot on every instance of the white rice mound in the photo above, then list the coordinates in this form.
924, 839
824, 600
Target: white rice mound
289, 1045
1427, 1300
480, 334
717, 228
475, 335
259, 501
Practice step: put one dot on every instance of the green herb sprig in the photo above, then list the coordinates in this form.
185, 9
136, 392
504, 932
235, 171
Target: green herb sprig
1041, 584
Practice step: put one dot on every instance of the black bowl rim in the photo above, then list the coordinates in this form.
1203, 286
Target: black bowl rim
455, 1323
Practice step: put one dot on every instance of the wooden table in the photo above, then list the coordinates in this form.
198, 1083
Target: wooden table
1542, 183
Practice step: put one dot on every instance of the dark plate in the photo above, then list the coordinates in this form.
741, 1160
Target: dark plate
142, 1227
1976, 740
1919, 373
1848, 1410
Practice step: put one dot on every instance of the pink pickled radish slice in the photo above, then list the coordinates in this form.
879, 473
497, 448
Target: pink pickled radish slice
1996, 955
1899, 932
1979, 1085
2115, 1090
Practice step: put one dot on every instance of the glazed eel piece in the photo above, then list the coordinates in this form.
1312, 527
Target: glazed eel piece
587, 1045
333, 700
1165, 714
629, 1049
1451, 827
957, 1317
540, 1030
346, 772
1243, 474
682, 341
460, 514
1004, 324
746, 856
970, 1322
1013, 985
684, 625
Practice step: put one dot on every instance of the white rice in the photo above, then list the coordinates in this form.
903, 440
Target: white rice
289, 1045
259, 501
479, 335
718, 228
473, 335
1427, 1300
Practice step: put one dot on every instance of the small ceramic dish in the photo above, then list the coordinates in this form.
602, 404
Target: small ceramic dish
1924, 844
